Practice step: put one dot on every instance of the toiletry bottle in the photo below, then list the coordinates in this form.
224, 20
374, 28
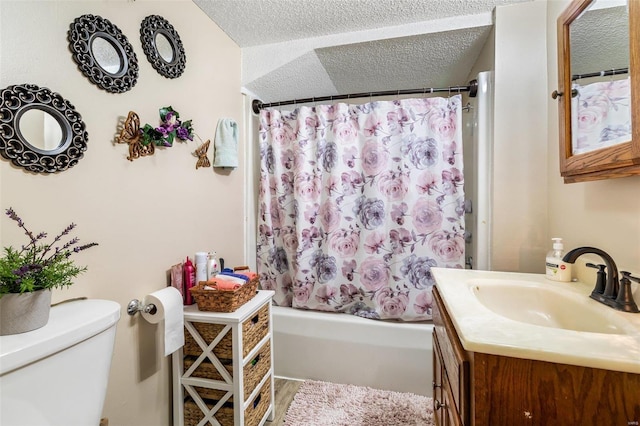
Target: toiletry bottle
556, 269
202, 258
213, 268
189, 281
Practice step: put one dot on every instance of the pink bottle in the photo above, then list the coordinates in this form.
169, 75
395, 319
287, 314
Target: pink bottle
189, 281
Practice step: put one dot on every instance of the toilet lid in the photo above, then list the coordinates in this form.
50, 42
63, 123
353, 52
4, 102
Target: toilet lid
69, 323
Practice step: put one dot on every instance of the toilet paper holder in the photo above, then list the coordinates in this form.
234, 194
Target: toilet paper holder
136, 306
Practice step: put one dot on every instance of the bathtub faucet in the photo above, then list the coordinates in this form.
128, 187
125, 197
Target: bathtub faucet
613, 295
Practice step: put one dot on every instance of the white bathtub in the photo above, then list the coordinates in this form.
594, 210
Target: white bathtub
343, 348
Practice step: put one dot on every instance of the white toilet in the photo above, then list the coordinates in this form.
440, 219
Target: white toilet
57, 375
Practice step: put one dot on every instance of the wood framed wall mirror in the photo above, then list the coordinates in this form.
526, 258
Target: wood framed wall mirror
599, 89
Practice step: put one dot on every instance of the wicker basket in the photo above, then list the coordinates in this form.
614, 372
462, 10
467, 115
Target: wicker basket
252, 414
253, 372
254, 329
223, 301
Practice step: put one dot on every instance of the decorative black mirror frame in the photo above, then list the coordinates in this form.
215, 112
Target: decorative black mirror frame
83, 30
151, 26
17, 100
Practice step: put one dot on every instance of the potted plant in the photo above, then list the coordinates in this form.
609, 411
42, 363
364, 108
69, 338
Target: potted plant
28, 274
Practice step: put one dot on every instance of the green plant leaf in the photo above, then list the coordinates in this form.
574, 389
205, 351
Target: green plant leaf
170, 137
34, 267
165, 110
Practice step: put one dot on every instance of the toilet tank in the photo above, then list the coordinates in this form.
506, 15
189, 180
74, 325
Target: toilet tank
57, 375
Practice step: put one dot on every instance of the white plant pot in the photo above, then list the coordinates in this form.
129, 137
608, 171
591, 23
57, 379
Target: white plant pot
24, 312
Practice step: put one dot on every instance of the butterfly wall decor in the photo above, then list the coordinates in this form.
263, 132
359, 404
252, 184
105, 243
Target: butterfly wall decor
130, 135
201, 152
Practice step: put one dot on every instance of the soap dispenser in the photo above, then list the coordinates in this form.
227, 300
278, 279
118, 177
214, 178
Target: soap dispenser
556, 268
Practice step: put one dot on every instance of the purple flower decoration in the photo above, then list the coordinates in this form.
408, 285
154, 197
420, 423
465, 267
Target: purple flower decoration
184, 134
163, 130
170, 128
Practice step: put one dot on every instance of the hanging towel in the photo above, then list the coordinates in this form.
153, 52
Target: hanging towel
226, 144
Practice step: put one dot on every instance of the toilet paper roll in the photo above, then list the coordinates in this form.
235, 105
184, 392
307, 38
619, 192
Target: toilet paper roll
169, 311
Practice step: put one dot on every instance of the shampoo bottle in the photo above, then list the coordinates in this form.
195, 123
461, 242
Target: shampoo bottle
189, 281
556, 268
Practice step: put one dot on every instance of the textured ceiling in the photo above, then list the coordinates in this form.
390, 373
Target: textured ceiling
600, 39
294, 49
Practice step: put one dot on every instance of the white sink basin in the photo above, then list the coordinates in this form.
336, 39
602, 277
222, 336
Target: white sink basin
528, 316
536, 304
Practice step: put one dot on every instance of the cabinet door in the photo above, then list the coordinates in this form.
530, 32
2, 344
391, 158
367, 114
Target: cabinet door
454, 359
448, 409
437, 382
444, 408
576, 31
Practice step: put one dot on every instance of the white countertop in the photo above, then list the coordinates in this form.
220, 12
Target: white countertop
482, 330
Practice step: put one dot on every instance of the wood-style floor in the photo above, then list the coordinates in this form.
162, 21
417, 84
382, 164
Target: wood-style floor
284, 393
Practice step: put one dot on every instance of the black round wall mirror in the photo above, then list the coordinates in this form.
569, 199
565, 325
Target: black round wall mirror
163, 47
40, 130
103, 53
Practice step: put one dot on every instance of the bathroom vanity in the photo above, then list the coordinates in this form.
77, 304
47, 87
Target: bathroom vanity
491, 370
224, 373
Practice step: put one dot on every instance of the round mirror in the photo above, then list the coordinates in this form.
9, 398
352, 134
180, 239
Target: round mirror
40, 130
106, 55
103, 53
163, 47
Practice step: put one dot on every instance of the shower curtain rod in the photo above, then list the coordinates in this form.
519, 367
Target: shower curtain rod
612, 71
472, 88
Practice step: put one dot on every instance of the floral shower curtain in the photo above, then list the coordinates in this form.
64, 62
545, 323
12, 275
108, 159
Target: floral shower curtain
601, 115
358, 202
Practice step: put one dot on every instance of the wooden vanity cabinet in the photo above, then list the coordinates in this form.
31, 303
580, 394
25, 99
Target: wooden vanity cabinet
450, 372
479, 389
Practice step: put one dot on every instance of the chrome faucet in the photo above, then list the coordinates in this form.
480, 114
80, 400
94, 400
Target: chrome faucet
613, 295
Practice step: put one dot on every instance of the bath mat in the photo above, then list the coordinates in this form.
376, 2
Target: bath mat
330, 404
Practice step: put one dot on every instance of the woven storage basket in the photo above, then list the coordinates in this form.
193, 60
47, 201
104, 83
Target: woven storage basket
253, 372
252, 415
223, 301
256, 369
193, 414
254, 329
206, 370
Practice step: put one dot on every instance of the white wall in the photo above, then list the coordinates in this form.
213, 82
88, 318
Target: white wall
519, 228
147, 214
603, 214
